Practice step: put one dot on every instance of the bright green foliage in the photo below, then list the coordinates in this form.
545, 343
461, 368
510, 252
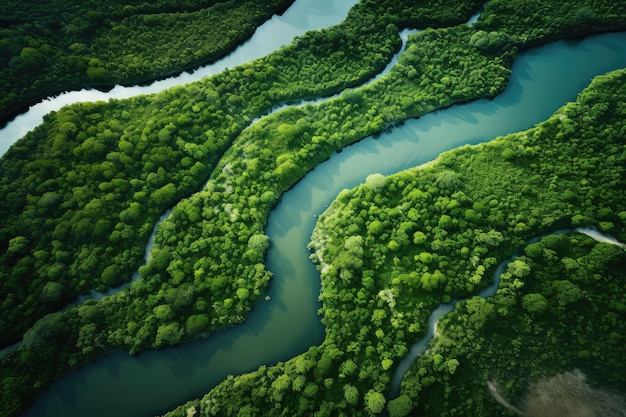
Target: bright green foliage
168, 334
400, 407
127, 161
525, 329
491, 42
83, 191
258, 242
351, 394
530, 292
374, 401
518, 268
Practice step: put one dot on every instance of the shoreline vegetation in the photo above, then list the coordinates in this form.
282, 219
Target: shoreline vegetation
61, 46
395, 247
131, 159
421, 347
84, 189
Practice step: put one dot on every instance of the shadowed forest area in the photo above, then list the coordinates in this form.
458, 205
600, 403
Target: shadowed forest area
47, 48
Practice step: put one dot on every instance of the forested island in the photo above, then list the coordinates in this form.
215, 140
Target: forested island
84, 190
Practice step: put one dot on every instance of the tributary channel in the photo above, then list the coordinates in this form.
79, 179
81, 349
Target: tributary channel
301, 17
543, 79
421, 346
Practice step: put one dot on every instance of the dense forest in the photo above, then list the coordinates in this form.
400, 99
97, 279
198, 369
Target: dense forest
428, 235
394, 248
85, 188
50, 47
83, 191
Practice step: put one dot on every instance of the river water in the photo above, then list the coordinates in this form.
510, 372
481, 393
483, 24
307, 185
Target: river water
156, 381
301, 17
421, 346
98, 295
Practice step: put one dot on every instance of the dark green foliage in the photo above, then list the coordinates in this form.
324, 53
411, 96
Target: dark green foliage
124, 162
50, 47
529, 22
553, 284
518, 345
84, 189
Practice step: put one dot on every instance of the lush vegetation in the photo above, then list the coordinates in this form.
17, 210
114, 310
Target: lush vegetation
392, 249
560, 307
84, 190
529, 22
49, 47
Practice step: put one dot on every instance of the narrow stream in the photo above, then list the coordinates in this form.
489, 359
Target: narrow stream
158, 380
98, 295
247, 51
421, 346
404, 36
19, 125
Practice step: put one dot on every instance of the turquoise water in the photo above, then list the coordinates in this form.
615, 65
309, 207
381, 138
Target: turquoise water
543, 79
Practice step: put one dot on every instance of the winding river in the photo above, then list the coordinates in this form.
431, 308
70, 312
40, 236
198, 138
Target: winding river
156, 381
301, 17
98, 295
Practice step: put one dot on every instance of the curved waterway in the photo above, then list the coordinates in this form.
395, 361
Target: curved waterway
421, 346
156, 381
404, 36
301, 17
98, 295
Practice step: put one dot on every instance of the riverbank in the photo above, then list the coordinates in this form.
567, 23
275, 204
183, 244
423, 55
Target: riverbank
223, 197
295, 285
263, 42
421, 347
446, 227
112, 44
363, 332
80, 349
562, 321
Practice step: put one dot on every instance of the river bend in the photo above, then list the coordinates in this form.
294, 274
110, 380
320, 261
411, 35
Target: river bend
302, 16
156, 381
